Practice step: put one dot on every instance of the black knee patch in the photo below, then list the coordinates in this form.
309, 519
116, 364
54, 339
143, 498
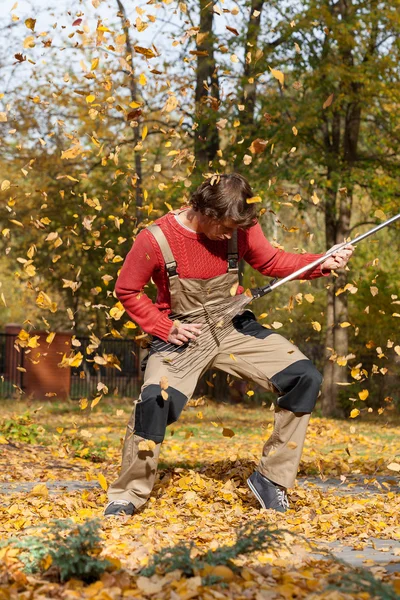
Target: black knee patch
153, 413
247, 324
300, 384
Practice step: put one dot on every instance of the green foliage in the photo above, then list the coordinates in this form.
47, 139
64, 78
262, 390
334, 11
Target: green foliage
249, 538
358, 580
69, 549
21, 428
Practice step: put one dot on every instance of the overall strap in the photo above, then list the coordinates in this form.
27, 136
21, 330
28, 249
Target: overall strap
170, 262
233, 255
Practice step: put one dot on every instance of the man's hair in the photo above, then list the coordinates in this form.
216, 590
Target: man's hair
224, 197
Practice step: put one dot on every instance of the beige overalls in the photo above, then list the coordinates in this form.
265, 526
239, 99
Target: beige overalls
249, 351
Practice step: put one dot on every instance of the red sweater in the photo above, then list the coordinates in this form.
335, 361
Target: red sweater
197, 257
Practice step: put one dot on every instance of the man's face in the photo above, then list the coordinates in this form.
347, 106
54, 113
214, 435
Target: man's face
218, 230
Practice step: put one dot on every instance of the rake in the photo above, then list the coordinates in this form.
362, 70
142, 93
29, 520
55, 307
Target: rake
218, 317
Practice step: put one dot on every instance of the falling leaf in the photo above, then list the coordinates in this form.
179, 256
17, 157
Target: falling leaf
328, 101
374, 290
164, 382
142, 79
363, 395
315, 198
250, 393
103, 482
226, 432
30, 23
164, 395
294, 129
234, 288
146, 445
316, 325
345, 324
309, 298
253, 200
5, 185
276, 325
354, 413
232, 357
278, 75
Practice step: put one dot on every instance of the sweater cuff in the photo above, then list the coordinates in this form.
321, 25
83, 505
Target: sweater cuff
163, 327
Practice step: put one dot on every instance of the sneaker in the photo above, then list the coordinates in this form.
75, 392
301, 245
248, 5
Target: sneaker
269, 494
119, 507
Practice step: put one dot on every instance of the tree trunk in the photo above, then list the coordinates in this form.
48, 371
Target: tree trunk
207, 96
134, 96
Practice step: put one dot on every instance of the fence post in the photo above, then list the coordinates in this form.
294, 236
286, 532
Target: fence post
13, 358
43, 375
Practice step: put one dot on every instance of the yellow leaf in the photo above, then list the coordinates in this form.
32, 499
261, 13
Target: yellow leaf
316, 325
232, 357
328, 101
345, 324
90, 98
394, 466
103, 482
234, 288
142, 79
164, 382
250, 393
29, 42
30, 23
83, 402
199, 415
276, 324
294, 129
5, 185
278, 75
354, 413
164, 395
94, 64
363, 395
144, 132
96, 401
40, 490
254, 200
379, 214
309, 298
397, 350
374, 290
168, 206
315, 198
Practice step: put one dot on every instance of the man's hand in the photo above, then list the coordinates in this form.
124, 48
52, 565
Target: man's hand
184, 332
339, 259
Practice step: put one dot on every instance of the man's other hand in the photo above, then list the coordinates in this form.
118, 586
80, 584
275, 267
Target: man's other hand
184, 332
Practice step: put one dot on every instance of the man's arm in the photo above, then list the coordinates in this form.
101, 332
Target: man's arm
138, 268
270, 261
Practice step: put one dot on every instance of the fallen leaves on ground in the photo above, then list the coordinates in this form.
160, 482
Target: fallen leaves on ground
200, 495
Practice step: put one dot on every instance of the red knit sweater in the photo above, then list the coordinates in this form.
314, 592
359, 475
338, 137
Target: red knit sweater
197, 257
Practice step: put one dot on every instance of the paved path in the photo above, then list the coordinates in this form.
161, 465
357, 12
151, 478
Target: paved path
383, 553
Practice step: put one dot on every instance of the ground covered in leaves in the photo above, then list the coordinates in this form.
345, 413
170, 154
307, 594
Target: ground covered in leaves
200, 497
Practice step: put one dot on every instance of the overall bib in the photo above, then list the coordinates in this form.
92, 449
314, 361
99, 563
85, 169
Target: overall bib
259, 355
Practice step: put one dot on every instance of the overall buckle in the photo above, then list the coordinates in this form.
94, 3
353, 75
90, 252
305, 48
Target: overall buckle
233, 262
171, 269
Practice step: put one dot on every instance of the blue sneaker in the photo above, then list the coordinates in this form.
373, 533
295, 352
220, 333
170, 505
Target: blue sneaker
119, 508
269, 494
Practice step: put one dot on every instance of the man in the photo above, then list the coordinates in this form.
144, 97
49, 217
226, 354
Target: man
192, 256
